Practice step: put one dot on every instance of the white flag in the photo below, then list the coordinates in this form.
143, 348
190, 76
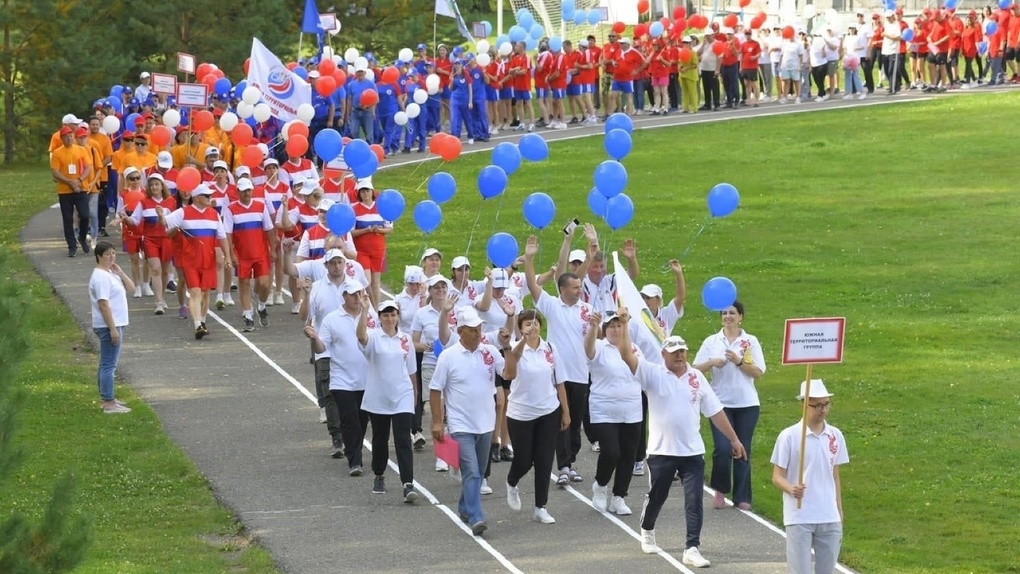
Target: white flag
644, 328
443, 8
282, 89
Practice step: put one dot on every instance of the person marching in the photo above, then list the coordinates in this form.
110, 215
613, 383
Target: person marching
252, 236
132, 193
157, 246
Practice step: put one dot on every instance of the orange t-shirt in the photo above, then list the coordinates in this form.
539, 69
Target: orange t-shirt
71, 162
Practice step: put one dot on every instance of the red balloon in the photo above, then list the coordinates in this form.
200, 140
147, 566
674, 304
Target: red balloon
252, 155
297, 129
203, 70
679, 13
692, 22
369, 98
702, 21
665, 22
451, 149
730, 21
209, 80
327, 67
756, 23
642, 7
745, 3
241, 135
247, 64
291, 66
619, 27
763, 16
718, 47
203, 120
188, 178
390, 75
640, 30
436, 143
340, 77
788, 32
379, 152
325, 85
297, 145
218, 73
679, 26
161, 135
685, 55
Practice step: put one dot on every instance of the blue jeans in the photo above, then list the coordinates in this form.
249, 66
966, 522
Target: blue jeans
474, 453
94, 215
363, 120
109, 354
743, 421
852, 82
661, 470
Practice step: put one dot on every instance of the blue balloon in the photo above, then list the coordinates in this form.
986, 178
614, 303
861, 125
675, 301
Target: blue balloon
340, 219
301, 72
569, 4
952, 4
328, 144
239, 88
992, 27
982, 48
567, 14
357, 152
366, 168
116, 91
580, 17
1005, 4
129, 122
610, 178
507, 156
619, 121
427, 216
619, 211
501, 39
718, 293
517, 34
907, 35
597, 203
488, 27
526, 20
530, 44
390, 204
617, 143
441, 187
723, 200
537, 31
555, 44
222, 87
520, 13
118, 105
539, 209
656, 29
594, 17
502, 249
491, 181
533, 147
437, 347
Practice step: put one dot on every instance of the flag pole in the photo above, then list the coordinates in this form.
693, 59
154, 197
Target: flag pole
300, 37
803, 432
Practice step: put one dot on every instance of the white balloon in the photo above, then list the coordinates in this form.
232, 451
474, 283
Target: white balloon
350, 70
171, 119
809, 11
251, 95
505, 48
483, 59
285, 131
351, 54
413, 110
327, 52
228, 121
400, 118
305, 112
405, 55
336, 30
432, 83
111, 124
244, 110
337, 59
370, 75
361, 63
420, 96
482, 46
262, 112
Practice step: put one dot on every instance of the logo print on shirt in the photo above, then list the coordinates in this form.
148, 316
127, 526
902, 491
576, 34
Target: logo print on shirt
662, 324
350, 269
452, 320
833, 446
692, 382
517, 282
548, 354
487, 358
471, 293
405, 346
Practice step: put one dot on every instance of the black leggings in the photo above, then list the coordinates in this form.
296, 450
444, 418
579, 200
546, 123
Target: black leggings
401, 443
818, 75
534, 445
710, 85
353, 423
619, 443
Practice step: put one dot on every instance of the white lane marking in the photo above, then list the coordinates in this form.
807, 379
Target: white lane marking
418, 486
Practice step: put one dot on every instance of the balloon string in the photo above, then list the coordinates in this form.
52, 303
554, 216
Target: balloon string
499, 206
696, 236
478, 215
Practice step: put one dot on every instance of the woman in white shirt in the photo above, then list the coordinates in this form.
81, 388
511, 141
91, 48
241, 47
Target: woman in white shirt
535, 414
424, 333
614, 405
734, 361
108, 289
409, 301
390, 392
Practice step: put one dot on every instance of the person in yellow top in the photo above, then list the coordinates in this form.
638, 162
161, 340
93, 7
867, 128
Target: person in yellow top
118, 163
71, 167
689, 77
142, 159
81, 137
105, 147
70, 121
192, 153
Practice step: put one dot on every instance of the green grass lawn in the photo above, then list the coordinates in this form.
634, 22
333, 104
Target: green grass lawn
901, 218
150, 508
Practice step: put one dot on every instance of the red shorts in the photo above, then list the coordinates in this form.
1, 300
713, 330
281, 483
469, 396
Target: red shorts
201, 278
132, 244
372, 262
158, 248
249, 268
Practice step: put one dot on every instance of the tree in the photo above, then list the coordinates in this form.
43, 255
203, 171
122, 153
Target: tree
59, 542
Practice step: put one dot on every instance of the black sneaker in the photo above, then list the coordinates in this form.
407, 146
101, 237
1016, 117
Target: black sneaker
264, 317
249, 325
233, 287
494, 452
506, 454
85, 244
379, 485
103, 233
574, 121
409, 494
355, 471
171, 287
199, 332
72, 251
406, 150
515, 123
338, 448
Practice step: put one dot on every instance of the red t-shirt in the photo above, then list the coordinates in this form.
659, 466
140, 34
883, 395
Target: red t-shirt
656, 68
445, 65
543, 67
522, 82
594, 57
1013, 34
672, 55
936, 35
750, 51
571, 61
971, 37
611, 53
627, 65
493, 72
560, 68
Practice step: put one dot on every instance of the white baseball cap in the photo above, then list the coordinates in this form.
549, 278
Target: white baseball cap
460, 261
245, 185
143, 75
70, 119
130, 170
389, 304
818, 390
351, 287
437, 279
364, 183
577, 255
500, 279
165, 160
242, 170
674, 343
624, 40
325, 204
333, 254
429, 252
202, 189
156, 176
270, 161
414, 274
220, 164
211, 151
651, 290
468, 317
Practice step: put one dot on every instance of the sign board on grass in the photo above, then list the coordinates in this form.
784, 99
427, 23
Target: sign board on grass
810, 341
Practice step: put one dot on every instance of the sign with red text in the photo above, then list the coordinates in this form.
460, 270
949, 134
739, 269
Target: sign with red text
818, 340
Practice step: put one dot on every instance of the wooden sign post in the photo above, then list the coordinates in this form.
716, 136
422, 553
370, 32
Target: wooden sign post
807, 342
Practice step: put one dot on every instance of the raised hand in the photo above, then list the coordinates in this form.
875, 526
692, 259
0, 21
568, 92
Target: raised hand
629, 249
675, 266
531, 247
591, 234
451, 302
507, 306
624, 315
595, 320
310, 332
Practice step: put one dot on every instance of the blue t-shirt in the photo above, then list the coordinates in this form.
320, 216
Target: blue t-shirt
387, 99
321, 105
357, 88
478, 83
459, 88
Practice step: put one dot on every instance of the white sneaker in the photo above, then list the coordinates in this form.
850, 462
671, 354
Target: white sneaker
471, 140
796, 101
819, 99
693, 557
560, 126
278, 298
322, 414
639, 468
486, 489
825, 98
648, 545
138, 292
295, 309
862, 96
531, 127
848, 97
595, 447
441, 465
782, 100
618, 506
542, 515
228, 300
493, 131
147, 290
513, 497
455, 474
600, 496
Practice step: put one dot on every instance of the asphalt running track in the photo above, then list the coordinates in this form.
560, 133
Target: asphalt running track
242, 406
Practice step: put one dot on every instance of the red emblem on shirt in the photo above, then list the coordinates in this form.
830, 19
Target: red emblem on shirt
517, 281
350, 269
744, 344
662, 324
487, 358
405, 345
471, 292
452, 320
833, 446
585, 315
370, 322
548, 355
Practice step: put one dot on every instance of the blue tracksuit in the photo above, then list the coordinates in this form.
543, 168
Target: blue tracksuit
459, 98
479, 114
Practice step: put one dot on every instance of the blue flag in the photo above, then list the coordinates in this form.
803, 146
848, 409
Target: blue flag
310, 21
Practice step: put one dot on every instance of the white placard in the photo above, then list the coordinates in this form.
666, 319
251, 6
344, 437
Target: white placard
327, 21
192, 95
164, 84
814, 340
185, 63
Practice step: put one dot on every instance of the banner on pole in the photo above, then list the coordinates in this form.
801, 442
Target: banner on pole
185, 63
281, 89
646, 331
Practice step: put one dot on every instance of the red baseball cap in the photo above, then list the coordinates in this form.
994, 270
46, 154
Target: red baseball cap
139, 121
141, 137
81, 132
127, 136
66, 130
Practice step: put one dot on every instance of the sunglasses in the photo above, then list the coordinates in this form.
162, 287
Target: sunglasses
134, 178
142, 143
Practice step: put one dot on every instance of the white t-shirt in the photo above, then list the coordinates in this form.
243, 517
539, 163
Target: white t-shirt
107, 286
409, 306
518, 286
822, 453
666, 318
567, 327
674, 408
831, 48
533, 393
468, 382
426, 321
601, 297
323, 299
775, 49
615, 395
390, 365
315, 269
818, 53
471, 293
495, 318
734, 388
347, 364
792, 54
